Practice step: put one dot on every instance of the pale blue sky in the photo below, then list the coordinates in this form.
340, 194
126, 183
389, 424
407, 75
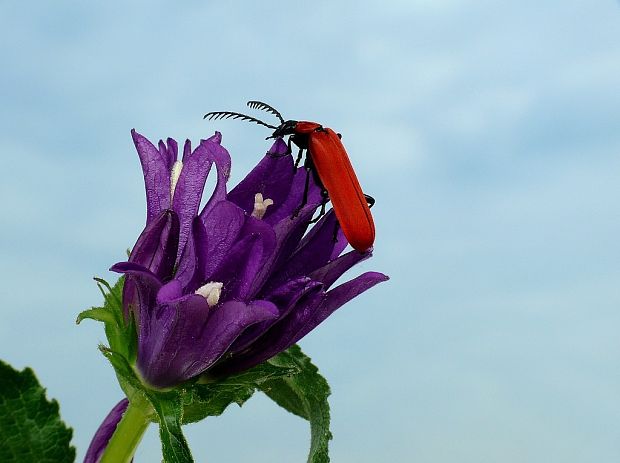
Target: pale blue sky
489, 133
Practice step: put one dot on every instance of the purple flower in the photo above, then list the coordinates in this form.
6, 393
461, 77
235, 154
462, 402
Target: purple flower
221, 289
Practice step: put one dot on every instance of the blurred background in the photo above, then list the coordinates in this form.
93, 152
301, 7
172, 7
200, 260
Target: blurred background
488, 132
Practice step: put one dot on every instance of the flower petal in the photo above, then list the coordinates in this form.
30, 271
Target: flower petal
336, 298
325, 235
288, 232
187, 272
186, 337
307, 315
189, 188
169, 292
222, 224
225, 324
314, 251
187, 150
245, 261
284, 298
157, 245
294, 198
155, 250
260, 265
240, 265
222, 164
103, 435
279, 148
275, 340
272, 177
209, 244
330, 272
169, 151
144, 286
168, 339
156, 176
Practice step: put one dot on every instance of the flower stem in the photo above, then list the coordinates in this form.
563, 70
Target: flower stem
129, 432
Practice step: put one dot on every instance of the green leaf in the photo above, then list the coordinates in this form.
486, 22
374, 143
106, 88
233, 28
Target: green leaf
261, 373
304, 395
169, 409
203, 400
30, 425
210, 397
285, 395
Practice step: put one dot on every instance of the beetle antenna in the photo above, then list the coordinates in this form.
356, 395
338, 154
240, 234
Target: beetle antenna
265, 107
214, 115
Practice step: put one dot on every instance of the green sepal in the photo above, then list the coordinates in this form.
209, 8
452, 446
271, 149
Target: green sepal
100, 314
121, 333
126, 375
304, 395
30, 426
169, 409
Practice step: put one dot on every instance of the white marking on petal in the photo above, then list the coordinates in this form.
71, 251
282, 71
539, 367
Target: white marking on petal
260, 205
177, 167
211, 292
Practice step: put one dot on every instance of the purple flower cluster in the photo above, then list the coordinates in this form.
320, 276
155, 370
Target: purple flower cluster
222, 289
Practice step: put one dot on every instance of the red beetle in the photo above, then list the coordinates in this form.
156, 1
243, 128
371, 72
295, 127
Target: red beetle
328, 161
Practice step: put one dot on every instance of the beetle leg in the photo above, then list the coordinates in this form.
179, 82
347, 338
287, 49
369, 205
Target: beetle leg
289, 144
370, 200
298, 160
304, 199
335, 236
318, 217
324, 201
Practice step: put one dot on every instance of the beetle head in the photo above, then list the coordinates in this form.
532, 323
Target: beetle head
286, 128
